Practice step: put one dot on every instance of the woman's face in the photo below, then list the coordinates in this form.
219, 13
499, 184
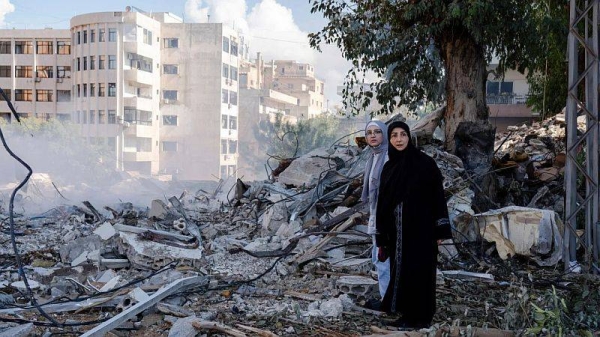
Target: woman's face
374, 135
399, 139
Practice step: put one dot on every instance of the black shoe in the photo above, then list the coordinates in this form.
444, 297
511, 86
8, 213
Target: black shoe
373, 304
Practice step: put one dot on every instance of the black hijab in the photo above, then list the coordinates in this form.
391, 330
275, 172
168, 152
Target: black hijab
398, 172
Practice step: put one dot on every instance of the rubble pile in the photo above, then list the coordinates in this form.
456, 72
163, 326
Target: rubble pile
286, 257
529, 162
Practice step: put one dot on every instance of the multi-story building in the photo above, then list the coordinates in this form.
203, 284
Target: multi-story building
506, 96
35, 72
297, 80
160, 92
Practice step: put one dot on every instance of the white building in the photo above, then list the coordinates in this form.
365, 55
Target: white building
155, 90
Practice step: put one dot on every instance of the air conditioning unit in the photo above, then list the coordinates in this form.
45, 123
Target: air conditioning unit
38, 79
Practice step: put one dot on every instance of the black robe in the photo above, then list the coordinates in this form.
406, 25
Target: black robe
412, 204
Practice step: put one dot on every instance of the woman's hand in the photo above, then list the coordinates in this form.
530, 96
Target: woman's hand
381, 254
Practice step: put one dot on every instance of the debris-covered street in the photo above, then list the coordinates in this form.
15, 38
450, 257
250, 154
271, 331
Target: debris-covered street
291, 257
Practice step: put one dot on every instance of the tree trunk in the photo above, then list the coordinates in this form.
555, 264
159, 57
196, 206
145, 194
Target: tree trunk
469, 134
464, 63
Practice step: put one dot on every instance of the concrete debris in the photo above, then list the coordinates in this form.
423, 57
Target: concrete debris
284, 257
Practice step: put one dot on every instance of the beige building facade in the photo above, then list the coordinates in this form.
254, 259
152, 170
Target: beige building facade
155, 91
35, 72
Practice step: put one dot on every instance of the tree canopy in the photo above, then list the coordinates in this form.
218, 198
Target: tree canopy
404, 41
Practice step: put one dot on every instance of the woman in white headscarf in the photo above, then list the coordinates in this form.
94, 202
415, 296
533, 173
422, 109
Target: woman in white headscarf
377, 139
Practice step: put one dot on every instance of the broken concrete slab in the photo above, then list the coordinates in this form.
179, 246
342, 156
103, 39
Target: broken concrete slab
154, 255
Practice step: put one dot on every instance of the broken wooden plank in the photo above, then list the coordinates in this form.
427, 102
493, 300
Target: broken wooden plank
314, 251
116, 321
219, 327
259, 332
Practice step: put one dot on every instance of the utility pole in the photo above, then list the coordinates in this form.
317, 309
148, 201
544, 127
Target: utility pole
581, 172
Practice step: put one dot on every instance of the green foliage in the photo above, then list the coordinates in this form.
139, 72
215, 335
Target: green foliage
285, 140
550, 319
548, 86
407, 43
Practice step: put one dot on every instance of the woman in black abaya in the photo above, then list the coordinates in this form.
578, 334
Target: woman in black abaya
412, 219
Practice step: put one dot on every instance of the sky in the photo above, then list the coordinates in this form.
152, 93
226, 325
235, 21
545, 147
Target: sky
276, 28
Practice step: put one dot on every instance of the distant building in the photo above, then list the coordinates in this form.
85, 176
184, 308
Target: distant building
506, 96
35, 72
160, 93
287, 89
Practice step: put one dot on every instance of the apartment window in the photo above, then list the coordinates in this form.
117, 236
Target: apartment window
78, 90
226, 44
78, 37
223, 146
170, 95
44, 47
225, 96
101, 117
85, 90
43, 95
225, 70
101, 34
112, 62
171, 42
140, 62
92, 117
23, 47
92, 62
147, 36
78, 64
232, 123
112, 89
7, 92
101, 61
169, 146
112, 117
112, 35
233, 98
92, 89
101, 90
135, 116
24, 71
234, 48
63, 72
92, 35
85, 36
5, 71
44, 71
232, 146
170, 69
63, 95
85, 63
169, 120
5, 47
63, 47
234, 73
25, 95
224, 122
499, 88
